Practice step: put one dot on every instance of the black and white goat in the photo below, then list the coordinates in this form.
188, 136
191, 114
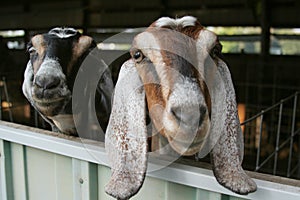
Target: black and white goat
55, 59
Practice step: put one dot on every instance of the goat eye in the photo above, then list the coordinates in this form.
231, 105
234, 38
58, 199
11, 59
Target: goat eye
31, 50
31, 78
138, 56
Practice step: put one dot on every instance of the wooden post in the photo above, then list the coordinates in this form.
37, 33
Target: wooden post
265, 26
86, 17
265, 46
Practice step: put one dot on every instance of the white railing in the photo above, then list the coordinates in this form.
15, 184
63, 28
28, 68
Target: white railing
88, 157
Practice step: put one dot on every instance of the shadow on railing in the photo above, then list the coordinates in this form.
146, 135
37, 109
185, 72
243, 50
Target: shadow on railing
274, 133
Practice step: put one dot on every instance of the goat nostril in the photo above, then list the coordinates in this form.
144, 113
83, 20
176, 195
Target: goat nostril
52, 83
47, 82
176, 112
203, 111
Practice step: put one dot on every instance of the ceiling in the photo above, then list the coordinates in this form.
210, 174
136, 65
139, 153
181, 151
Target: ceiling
34, 14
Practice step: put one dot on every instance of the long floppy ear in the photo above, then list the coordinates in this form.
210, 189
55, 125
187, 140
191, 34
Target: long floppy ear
226, 134
126, 135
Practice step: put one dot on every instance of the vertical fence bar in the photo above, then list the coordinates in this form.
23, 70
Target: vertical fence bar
292, 135
85, 180
259, 144
7, 99
298, 174
36, 119
277, 138
1, 99
19, 171
6, 174
3, 160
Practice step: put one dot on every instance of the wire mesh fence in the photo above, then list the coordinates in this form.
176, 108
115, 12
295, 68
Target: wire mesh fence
272, 139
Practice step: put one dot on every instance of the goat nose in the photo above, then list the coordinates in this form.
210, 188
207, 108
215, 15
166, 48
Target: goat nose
48, 82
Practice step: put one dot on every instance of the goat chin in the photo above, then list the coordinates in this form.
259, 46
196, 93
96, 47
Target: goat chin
64, 123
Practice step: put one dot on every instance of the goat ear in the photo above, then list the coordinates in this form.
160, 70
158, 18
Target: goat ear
226, 134
85, 43
126, 135
27, 83
223, 106
26, 88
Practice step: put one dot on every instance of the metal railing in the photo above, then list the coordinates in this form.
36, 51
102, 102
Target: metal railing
285, 134
34, 160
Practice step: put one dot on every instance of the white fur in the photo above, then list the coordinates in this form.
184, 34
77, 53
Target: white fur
62, 32
184, 21
27, 84
184, 95
151, 48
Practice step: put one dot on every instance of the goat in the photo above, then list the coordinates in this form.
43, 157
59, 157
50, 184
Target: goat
177, 74
55, 60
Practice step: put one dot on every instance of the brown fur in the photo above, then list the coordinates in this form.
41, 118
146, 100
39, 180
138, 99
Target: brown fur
221, 134
192, 32
39, 44
83, 44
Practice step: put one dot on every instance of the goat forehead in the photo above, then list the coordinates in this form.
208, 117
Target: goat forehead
146, 41
45, 42
189, 26
66, 51
165, 40
173, 56
58, 47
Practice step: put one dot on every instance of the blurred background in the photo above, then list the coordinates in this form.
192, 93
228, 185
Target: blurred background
261, 44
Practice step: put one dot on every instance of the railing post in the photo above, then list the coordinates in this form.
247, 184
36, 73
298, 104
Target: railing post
292, 135
1, 100
259, 144
277, 138
85, 180
6, 184
298, 159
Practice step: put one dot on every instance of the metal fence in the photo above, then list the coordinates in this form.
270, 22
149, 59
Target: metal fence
37, 164
272, 139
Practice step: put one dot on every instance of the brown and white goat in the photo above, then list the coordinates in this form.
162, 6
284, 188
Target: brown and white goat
55, 60
177, 74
